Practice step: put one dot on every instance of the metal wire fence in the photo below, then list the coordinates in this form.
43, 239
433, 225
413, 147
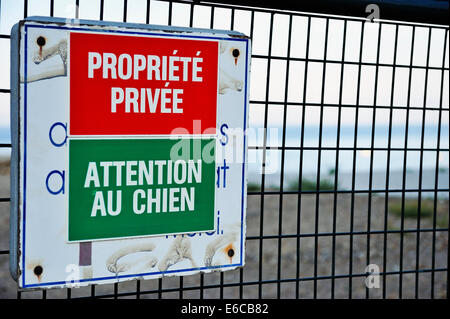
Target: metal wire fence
348, 193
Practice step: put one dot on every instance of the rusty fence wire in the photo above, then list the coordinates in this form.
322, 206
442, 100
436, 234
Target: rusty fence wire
349, 188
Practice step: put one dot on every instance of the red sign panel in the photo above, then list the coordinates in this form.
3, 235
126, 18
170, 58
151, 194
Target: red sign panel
132, 85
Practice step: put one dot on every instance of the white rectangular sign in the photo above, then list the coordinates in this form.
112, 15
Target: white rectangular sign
129, 151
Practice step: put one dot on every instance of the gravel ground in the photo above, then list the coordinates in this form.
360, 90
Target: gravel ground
287, 269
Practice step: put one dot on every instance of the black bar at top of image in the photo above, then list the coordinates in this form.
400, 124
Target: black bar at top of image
422, 11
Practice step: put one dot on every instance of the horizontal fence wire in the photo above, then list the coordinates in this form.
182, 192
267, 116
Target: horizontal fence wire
357, 225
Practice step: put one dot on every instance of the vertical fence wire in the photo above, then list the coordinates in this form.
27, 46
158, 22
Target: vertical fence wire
355, 145
336, 167
300, 168
388, 162
283, 145
402, 223
372, 143
436, 175
264, 159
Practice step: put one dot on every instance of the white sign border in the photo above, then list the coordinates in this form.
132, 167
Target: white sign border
22, 179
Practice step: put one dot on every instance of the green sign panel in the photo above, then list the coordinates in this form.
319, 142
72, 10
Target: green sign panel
122, 188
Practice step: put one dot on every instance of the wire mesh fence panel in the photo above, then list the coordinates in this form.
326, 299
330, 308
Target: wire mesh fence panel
348, 159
